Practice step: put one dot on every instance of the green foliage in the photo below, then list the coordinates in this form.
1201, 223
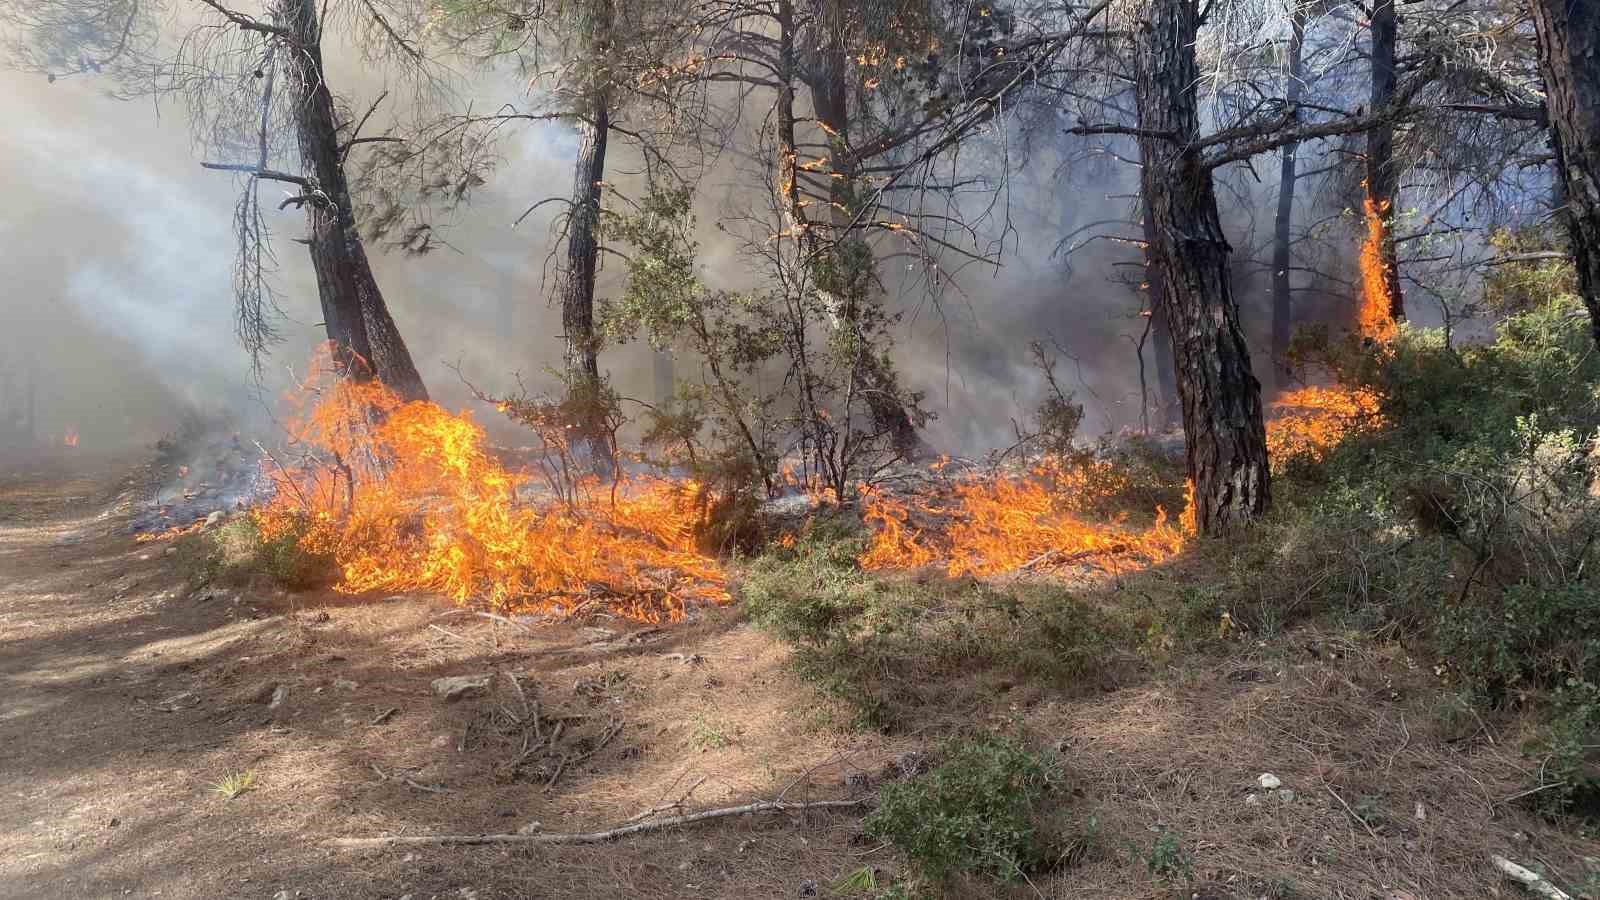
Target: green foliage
236, 551
985, 810
1167, 858
1526, 280
884, 645
1571, 770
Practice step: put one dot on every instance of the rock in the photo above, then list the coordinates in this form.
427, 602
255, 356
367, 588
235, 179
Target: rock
215, 518
1269, 781
531, 828
169, 551
459, 686
345, 684
1286, 796
1251, 799
279, 694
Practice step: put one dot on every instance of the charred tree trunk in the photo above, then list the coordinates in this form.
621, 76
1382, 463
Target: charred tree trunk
1155, 280
1383, 178
847, 273
1282, 298
358, 323
1569, 59
582, 349
1225, 438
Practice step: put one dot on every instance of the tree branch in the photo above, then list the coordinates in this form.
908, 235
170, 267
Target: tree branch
246, 23
257, 171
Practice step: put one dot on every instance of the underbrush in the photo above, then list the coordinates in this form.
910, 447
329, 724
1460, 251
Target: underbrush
991, 807
891, 645
1469, 524
236, 551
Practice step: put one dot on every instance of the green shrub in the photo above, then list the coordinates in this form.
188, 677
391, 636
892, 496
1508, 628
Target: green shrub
236, 551
983, 810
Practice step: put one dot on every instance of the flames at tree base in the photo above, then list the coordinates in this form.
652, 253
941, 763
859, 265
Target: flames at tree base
407, 497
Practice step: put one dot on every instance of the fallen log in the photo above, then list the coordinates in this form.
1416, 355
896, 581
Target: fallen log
586, 837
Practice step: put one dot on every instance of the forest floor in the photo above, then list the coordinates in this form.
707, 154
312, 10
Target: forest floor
126, 695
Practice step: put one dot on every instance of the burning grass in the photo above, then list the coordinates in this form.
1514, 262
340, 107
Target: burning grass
407, 496
981, 525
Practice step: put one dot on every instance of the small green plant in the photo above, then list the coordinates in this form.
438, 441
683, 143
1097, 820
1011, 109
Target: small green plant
1167, 858
707, 735
234, 784
983, 810
862, 881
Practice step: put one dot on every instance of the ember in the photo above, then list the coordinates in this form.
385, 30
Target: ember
406, 496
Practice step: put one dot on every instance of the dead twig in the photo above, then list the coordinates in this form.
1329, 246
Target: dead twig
1353, 813
587, 837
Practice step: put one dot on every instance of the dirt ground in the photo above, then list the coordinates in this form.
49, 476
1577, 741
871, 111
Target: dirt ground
126, 695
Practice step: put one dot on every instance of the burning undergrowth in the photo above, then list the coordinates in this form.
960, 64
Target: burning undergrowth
408, 496
1042, 516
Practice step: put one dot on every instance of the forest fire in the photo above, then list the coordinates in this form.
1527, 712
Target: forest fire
1374, 320
406, 496
990, 525
1306, 424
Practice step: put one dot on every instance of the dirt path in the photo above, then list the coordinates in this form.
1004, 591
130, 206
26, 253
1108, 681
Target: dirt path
124, 696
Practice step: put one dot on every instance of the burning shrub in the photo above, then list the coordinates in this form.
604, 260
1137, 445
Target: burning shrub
406, 496
985, 810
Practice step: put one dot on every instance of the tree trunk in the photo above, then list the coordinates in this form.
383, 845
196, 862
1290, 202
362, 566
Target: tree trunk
1383, 178
1569, 59
1155, 279
1282, 299
577, 296
851, 279
1225, 438
366, 341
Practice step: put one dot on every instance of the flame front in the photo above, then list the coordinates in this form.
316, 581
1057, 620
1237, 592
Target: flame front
407, 497
994, 525
71, 438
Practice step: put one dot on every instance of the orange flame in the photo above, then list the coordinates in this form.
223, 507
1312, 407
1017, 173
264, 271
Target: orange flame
71, 439
1002, 524
1374, 319
414, 501
1308, 423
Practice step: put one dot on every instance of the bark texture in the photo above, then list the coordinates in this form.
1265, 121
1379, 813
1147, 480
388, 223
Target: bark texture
1155, 279
1282, 297
358, 323
1569, 59
582, 350
1383, 178
1225, 437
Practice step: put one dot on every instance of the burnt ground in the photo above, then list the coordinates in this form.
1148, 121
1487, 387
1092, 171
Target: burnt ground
125, 695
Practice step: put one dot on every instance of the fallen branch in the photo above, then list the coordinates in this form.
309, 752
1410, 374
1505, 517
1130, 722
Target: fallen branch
1531, 880
587, 837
